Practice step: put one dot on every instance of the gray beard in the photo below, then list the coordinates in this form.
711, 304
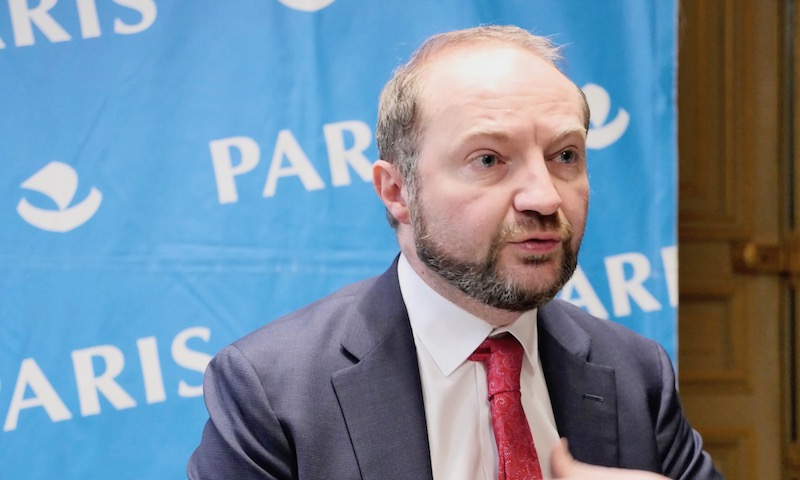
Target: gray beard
482, 280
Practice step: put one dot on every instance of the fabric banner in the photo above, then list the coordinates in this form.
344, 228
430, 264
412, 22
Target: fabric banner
177, 174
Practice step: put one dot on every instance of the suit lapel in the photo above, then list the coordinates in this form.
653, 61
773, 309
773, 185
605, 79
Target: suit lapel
381, 394
583, 394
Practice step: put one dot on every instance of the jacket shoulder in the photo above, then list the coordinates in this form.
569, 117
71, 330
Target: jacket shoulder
322, 318
605, 341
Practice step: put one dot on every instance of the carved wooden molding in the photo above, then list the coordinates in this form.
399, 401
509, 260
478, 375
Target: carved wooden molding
713, 349
732, 451
713, 174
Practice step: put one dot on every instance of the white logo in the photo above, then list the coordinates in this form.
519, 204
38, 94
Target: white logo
59, 182
307, 5
602, 134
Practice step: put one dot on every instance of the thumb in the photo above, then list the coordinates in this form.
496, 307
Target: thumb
563, 465
561, 462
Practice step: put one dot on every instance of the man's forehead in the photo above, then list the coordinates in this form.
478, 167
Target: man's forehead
473, 54
489, 68
481, 63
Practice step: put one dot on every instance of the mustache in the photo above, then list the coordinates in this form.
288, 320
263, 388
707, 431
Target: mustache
535, 223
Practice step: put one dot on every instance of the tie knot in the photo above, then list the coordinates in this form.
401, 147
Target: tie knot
502, 357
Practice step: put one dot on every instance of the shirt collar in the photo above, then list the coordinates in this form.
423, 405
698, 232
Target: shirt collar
449, 333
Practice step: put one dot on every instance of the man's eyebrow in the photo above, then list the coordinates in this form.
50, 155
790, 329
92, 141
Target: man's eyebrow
503, 136
499, 135
570, 131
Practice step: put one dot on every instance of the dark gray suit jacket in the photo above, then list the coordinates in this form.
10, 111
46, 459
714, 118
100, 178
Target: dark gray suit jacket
333, 391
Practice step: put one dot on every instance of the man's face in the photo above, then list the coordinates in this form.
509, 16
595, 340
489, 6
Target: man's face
503, 189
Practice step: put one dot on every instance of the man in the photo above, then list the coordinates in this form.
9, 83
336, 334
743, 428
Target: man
483, 175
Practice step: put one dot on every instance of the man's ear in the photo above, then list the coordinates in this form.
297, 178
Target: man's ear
389, 186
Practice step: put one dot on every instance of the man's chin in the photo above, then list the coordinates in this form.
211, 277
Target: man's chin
538, 277
527, 298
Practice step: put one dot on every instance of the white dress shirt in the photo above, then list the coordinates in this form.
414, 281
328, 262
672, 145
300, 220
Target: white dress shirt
454, 388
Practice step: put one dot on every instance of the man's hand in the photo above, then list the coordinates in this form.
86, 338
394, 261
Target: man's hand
566, 467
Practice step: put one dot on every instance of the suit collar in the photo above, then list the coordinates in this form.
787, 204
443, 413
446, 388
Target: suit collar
381, 394
583, 394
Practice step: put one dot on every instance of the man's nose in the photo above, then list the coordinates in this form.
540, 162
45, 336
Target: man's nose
535, 190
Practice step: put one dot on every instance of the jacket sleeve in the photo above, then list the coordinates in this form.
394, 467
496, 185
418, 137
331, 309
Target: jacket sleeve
680, 447
243, 438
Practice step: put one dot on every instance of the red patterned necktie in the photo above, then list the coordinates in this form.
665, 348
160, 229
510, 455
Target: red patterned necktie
502, 357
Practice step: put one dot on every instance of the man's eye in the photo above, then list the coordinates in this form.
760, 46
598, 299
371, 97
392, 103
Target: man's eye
487, 160
567, 156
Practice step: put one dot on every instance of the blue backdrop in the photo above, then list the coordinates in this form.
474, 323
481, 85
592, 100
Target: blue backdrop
176, 174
